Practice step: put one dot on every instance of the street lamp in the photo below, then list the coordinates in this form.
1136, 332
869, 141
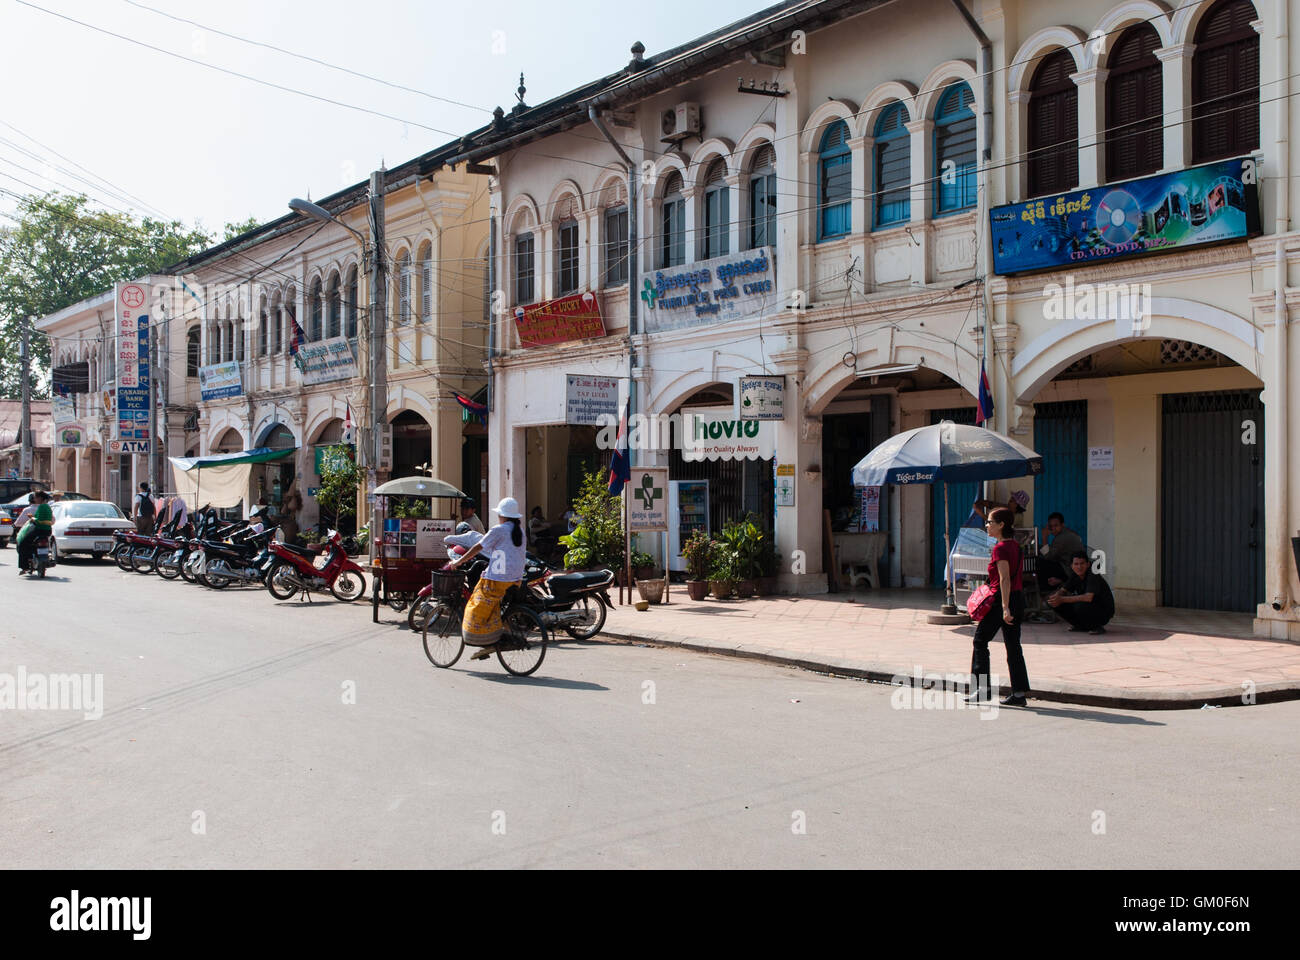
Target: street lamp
316, 212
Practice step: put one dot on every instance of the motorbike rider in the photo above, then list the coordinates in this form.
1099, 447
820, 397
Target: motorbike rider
40, 522
459, 542
504, 545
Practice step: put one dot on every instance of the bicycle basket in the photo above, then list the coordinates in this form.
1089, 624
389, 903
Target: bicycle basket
448, 583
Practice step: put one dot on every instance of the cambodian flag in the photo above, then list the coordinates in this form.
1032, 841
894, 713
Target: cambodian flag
985, 409
620, 465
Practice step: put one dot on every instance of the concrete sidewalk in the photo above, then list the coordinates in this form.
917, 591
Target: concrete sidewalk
1153, 659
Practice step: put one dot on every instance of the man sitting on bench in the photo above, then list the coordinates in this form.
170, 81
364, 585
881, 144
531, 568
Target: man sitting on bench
1084, 601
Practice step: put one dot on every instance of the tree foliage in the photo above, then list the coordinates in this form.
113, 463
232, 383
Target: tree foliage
61, 250
338, 485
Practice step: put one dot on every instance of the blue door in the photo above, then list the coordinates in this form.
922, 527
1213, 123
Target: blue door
960, 498
1061, 436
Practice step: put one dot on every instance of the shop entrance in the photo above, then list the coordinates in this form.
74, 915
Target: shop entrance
1212, 555
1061, 436
412, 445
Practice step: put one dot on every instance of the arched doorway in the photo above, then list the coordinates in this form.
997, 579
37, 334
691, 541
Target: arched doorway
271, 480
412, 444
229, 442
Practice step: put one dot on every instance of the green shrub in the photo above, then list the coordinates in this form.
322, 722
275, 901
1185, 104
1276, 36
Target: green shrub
597, 541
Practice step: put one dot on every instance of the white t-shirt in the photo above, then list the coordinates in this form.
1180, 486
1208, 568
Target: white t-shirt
475, 523
505, 560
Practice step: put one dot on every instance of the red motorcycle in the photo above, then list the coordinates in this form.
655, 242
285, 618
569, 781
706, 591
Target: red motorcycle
297, 568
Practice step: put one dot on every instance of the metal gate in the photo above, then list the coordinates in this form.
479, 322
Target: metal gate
1061, 436
960, 498
1212, 500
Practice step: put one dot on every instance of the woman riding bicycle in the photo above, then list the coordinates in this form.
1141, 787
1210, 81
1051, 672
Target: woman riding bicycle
504, 547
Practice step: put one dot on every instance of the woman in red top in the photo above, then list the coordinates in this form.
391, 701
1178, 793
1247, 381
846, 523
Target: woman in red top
1008, 610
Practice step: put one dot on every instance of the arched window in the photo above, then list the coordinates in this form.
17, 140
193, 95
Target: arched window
314, 311
350, 303
334, 308
835, 176
1225, 83
1053, 126
277, 326
525, 269
237, 336
263, 322
404, 288
1134, 105
954, 150
672, 233
717, 211
426, 282
566, 238
193, 339
762, 197
893, 166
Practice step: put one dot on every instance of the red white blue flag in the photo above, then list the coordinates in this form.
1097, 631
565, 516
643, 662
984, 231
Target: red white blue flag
985, 410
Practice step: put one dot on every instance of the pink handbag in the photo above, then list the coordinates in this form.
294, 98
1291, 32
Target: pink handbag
979, 603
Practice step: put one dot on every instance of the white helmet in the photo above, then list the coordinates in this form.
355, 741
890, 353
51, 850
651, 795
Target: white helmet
509, 508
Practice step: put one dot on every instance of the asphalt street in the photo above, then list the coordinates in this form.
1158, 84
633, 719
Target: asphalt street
238, 731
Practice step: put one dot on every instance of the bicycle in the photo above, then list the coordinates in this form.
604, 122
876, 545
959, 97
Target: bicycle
522, 646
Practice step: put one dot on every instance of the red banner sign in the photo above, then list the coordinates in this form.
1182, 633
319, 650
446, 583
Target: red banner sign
559, 321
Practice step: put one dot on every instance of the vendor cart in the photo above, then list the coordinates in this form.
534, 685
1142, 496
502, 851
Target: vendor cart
410, 517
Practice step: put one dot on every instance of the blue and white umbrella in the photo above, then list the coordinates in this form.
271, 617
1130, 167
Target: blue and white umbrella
946, 453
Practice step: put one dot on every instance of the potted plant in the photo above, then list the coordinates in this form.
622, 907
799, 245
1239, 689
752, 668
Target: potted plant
722, 575
643, 565
697, 552
744, 538
651, 588
598, 540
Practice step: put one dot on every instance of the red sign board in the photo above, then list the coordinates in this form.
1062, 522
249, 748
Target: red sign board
558, 321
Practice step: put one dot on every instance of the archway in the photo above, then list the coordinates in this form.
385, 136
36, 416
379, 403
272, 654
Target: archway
412, 444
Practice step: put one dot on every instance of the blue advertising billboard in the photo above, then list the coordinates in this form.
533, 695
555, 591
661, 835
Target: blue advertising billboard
1188, 208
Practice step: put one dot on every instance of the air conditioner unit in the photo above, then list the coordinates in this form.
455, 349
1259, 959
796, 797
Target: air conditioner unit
681, 121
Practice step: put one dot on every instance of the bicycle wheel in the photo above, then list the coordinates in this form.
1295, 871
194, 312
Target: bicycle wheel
142, 559
168, 566
522, 646
348, 586
278, 582
442, 641
593, 619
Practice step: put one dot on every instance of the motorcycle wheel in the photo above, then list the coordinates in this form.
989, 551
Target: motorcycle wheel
522, 646
593, 619
42, 569
216, 581
419, 614
167, 565
442, 641
348, 586
187, 568
122, 556
277, 586
142, 559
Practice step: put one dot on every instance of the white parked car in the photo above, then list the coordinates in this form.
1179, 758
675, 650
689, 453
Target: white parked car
86, 526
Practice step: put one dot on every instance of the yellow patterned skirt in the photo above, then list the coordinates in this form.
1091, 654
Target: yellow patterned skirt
481, 624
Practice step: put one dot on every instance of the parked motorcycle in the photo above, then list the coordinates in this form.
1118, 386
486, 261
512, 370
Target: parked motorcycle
243, 559
293, 569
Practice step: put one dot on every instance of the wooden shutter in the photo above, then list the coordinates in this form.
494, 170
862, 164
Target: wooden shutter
1054, 127
1225, 83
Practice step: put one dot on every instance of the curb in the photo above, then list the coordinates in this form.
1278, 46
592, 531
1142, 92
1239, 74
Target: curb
1059, 692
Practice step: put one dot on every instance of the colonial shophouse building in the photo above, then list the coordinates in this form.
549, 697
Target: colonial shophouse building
242, 304
869, 199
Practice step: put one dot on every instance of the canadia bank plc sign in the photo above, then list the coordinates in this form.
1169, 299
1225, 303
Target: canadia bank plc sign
724, 288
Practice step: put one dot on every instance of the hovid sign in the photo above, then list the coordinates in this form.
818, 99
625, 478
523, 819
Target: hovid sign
715, 433
559, 321
326, 360
1170, 211
647, 509
220, 380
132, 323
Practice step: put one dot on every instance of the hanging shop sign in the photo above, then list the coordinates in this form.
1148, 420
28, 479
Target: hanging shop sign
589, 399
220, 380
761, 398
326, 360
715, 433
559, 321
70, 435
724, 288
1171, 211
62, 409
647, 510
132, 321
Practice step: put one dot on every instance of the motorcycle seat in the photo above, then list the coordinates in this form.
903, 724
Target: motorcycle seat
565, 583
307, 552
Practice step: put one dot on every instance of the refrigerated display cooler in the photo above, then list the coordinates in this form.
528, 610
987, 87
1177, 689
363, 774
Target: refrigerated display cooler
688, 511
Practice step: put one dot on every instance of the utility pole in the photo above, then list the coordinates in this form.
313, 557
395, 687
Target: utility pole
25, 355
378, 321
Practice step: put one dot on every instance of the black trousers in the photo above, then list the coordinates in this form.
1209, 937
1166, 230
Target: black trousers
1049, 568
1085, 616
27, 549
986, 630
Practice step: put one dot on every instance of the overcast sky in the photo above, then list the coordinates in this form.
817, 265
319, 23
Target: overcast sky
199, 145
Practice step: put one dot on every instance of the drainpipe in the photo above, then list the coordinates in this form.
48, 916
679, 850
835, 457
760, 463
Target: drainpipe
633, 267
1278, 530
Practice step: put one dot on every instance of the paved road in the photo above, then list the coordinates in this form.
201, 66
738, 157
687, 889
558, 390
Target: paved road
226, 711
